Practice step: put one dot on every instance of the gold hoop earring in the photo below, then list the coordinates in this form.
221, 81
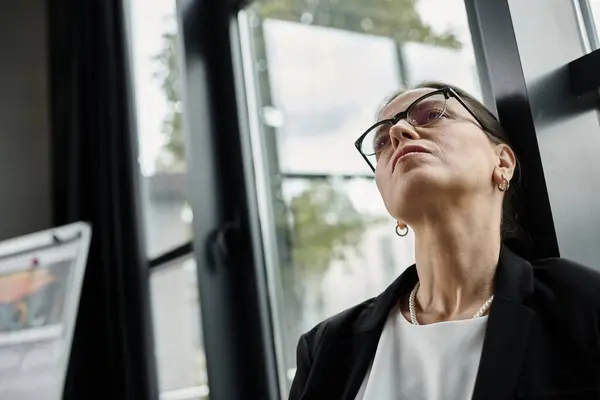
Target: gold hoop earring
504, 185
401, 232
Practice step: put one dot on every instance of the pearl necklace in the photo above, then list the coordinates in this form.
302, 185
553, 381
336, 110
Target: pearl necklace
413, 315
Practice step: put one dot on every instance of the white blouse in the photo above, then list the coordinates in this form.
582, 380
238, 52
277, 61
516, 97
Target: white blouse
425, 362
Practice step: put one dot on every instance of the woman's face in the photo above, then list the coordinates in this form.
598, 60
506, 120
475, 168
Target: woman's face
453, 160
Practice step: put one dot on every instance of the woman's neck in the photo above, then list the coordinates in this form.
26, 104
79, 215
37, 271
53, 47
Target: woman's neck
456, 257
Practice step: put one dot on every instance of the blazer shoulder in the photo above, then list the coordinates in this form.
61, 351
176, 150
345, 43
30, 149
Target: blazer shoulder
340, 324
569, 279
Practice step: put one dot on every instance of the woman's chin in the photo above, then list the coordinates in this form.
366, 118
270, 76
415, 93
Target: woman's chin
417, 179
416, 189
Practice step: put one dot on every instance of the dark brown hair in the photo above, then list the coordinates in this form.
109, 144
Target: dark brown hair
510, 228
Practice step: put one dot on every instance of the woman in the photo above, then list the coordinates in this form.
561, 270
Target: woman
470, 319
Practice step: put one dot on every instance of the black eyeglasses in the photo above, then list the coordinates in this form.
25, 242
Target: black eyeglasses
424, 111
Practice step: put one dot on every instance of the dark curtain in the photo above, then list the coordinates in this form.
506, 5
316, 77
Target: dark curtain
95, 177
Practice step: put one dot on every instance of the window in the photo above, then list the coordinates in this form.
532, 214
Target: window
595, 7
156, 58
317, 72
588, 14
177, 334
155, 55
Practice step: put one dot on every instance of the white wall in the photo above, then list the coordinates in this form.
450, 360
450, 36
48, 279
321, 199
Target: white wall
25, 198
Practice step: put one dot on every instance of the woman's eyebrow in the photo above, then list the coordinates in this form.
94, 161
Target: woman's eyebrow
391, 115
381, 129
386, 115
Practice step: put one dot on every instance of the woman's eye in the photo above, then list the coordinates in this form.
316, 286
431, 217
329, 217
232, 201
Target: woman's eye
426, 116
433, 115
380, 143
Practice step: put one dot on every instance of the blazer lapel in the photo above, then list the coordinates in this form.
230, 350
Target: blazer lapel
350, 354
507, 331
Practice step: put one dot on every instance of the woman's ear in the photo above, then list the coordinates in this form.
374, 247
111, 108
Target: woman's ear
507, 161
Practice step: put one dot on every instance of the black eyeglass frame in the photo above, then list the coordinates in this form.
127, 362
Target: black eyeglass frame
447, 92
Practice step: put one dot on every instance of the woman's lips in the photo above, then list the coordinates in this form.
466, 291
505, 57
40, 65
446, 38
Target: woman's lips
407, 151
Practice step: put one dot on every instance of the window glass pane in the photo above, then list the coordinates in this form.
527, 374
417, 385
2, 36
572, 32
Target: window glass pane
317, 72
177, 334
338, 227
155, 63
314, 120
588, 13
595, 6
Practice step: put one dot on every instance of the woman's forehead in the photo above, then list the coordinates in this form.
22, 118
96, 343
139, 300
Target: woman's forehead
402, 101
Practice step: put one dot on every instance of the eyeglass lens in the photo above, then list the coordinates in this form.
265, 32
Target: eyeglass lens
423, 113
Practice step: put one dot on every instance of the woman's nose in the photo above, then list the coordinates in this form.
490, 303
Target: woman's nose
401, 132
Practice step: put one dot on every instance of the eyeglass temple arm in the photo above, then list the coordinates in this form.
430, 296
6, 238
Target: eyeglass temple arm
466, 106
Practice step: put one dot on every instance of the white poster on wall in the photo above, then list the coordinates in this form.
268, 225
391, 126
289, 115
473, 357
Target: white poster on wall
40, 284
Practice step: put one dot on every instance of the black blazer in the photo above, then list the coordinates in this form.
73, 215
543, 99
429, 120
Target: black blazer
542, 339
